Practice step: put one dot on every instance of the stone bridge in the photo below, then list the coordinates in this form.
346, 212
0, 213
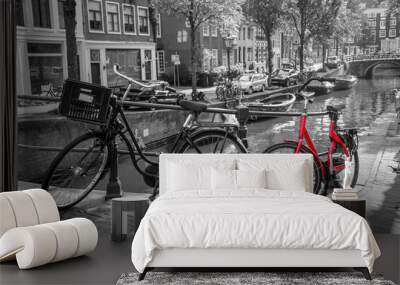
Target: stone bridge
362, 66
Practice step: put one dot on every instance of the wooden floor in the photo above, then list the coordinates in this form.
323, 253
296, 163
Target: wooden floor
106, 264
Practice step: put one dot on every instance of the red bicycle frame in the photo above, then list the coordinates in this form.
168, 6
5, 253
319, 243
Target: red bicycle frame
335, 139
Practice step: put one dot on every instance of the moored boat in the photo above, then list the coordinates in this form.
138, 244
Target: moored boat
320, 88
280, 102
344, 82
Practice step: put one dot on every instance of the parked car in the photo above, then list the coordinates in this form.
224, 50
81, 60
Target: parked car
252, 82
285, 77
332, 62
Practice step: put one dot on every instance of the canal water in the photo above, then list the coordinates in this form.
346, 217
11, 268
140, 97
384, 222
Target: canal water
361, 106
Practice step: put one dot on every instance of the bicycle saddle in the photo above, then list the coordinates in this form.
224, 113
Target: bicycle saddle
306, 95
193, 106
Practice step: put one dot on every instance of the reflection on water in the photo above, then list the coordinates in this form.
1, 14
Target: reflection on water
361, 105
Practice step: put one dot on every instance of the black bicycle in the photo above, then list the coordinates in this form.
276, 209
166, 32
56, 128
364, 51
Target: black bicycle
78, 168
227, 90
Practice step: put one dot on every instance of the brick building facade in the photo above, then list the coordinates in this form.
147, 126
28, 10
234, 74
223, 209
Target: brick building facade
107, 33
384, 31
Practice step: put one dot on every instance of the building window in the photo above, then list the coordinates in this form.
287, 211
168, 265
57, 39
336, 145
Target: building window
214, 58
244, 34
19, 7
249, 33
161, 61
129, 61
373, 35
45, 66
143, 13
206, 30
129, 18
372, 23
61, 23
213, 31
393, 22
179, 37
182, 36
187, 23
95, 64
392, 33
382, 33
383, 24
113, 17
41, 13
158, 28
95, 16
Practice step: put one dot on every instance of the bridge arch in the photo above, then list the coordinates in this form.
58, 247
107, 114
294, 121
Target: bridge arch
370, 68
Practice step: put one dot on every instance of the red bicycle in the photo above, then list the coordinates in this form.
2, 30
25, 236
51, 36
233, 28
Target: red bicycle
343, 145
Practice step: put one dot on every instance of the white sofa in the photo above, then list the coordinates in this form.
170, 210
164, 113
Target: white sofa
190, 195
31, 231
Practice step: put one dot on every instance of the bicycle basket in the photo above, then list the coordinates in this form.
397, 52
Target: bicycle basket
85, 102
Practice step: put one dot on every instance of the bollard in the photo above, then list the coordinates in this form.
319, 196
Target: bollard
242, 116
114, 188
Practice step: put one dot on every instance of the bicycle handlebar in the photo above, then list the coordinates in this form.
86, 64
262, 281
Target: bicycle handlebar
131, 80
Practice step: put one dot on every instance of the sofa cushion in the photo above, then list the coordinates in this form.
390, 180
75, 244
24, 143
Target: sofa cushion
40, 244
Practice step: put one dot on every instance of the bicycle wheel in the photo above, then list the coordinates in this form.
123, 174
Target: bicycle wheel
291, 148
213, 141
76, 170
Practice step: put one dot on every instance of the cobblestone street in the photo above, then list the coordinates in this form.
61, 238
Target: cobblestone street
379, 150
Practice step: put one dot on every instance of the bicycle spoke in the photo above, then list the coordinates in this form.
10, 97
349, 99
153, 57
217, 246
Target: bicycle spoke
78, 171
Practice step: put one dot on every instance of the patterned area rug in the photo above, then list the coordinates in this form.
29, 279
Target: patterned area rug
243, 278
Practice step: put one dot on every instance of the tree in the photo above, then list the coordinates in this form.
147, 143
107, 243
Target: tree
351, 24
268, 15
394, 6
153, 18
301, 13
365, 37
225, 13
323, 23
70, 26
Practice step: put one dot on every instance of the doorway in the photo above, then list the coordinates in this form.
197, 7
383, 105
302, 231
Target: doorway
95, 66
147, 64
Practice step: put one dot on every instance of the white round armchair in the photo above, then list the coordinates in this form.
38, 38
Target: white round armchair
31, 231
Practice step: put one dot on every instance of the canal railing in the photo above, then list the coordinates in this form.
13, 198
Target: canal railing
385, 56
241, 112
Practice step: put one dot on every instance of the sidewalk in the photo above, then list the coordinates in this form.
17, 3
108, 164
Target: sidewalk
380, 186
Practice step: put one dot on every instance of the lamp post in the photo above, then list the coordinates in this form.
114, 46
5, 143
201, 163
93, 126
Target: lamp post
230, 42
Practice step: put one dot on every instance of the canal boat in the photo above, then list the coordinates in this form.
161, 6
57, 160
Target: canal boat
344, 82
320, 88
281, 102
